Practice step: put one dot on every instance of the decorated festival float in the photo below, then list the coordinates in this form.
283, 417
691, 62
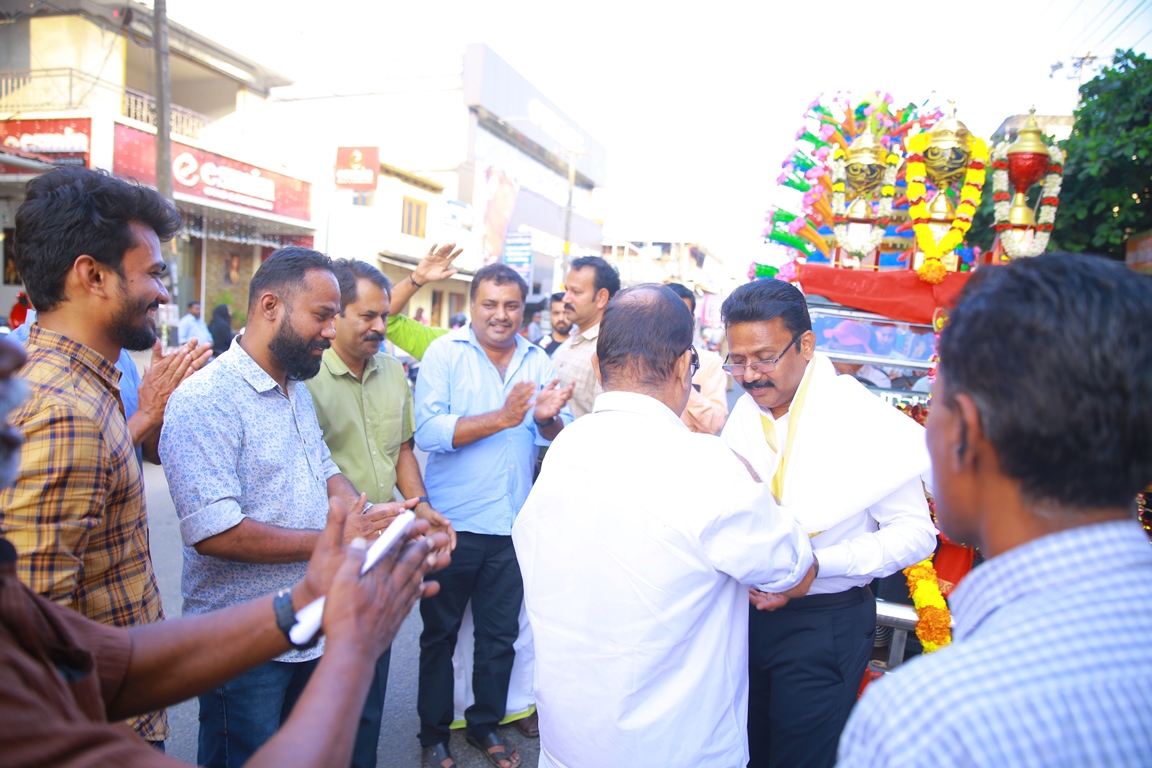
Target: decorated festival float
885, 198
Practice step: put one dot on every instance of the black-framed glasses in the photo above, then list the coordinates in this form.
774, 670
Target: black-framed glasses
694, 363
760, 366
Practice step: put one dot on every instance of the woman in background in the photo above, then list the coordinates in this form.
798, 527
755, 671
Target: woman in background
221, 329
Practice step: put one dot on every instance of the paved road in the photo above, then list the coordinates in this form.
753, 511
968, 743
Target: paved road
398, 745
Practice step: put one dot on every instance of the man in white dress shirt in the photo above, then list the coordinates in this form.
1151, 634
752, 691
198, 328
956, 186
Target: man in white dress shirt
635, 586
849, 466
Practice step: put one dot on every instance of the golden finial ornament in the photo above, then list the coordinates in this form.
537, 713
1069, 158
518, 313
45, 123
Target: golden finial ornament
864, 170
1027, 163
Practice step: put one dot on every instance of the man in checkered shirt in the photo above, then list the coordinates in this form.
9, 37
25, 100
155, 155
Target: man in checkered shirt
88, 249
1039, 435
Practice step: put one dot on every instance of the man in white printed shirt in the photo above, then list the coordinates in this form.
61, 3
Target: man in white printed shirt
635, 590
849, 466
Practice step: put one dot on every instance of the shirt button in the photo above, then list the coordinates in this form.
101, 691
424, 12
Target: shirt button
373, 453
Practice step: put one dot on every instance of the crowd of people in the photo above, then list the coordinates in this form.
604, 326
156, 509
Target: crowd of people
671, 585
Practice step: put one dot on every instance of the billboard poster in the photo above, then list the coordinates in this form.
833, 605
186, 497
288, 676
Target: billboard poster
495, 200
61, 142
518, 255
357, 168
203, 174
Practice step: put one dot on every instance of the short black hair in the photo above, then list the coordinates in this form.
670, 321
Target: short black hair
764, 301
645, 330
684, 293
500, 274
71, 211
350, 271
557, 298
285, 270
193, 303
606, 274
1055, 352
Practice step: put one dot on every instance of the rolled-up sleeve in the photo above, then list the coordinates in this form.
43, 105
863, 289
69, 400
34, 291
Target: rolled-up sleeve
198, 446
435, 422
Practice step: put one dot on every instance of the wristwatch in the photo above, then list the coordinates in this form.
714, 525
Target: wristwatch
543, 424
286, 618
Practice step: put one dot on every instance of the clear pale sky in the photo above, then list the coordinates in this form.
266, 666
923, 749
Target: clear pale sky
698, 103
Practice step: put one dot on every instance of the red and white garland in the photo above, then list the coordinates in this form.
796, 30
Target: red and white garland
1049, 201
862, 246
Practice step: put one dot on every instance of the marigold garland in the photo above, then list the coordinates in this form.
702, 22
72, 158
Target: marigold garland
934, 625
1049, 201
916, 172
858, 246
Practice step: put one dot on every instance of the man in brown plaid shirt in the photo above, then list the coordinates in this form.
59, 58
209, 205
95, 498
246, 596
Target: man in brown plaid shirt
88, 249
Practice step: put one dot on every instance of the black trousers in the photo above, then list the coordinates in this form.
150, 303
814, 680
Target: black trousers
805, 664
483, 569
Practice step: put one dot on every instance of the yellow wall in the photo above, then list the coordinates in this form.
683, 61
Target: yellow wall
75, 43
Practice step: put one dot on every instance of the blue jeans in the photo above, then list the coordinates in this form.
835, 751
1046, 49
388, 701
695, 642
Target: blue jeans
237, 718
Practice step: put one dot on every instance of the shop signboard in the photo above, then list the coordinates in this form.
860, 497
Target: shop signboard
518, 254
357, 168
61, 142
198, 173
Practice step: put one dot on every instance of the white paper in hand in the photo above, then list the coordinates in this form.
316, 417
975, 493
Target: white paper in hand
308, 617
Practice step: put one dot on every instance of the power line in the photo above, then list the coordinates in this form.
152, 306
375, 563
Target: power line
1068, 18
1093, 26
1122, 22
1149, 32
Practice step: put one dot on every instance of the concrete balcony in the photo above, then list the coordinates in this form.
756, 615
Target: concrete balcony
47, 90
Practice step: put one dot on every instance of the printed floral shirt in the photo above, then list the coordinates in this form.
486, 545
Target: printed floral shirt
236, 445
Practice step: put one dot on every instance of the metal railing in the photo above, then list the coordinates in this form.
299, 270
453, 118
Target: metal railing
43, 90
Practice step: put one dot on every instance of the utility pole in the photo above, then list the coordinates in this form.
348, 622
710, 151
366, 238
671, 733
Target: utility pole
163, 100
164, 137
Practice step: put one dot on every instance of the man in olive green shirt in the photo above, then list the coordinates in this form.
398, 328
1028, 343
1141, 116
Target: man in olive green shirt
364, 407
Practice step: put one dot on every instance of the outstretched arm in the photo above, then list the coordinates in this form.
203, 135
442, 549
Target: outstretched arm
437, 265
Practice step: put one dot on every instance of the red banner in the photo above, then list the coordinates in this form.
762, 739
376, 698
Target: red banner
199, 173
61, 142
357, 168
899, 294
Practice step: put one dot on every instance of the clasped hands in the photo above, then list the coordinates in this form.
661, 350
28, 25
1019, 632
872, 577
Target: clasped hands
548, 402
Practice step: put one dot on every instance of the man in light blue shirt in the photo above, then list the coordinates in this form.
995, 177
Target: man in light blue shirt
192, 326
1039, 439
486, 400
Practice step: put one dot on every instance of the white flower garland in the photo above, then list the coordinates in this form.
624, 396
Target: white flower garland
1050, 190
861, 246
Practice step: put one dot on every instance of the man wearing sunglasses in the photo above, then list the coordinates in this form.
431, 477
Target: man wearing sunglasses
848, 466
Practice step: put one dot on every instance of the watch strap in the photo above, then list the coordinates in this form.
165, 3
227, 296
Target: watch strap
286, 618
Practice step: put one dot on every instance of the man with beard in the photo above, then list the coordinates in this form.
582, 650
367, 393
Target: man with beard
814, 438
561, 325
88, 248
251, 480
364, 407
590, 284
486, 400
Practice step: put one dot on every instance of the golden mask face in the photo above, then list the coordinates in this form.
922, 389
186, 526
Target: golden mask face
863, 177
946, 164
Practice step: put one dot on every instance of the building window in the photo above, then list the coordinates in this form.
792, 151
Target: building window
415, 212
363, 197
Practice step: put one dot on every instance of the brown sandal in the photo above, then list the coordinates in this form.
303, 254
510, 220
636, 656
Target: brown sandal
494, 751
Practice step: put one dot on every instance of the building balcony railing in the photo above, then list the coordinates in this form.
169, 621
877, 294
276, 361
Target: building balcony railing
45, 90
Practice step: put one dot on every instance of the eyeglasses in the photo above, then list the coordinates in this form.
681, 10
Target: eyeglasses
695, 362
760, 366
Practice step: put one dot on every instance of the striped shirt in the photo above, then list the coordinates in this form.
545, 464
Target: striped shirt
1050, 664
77, 513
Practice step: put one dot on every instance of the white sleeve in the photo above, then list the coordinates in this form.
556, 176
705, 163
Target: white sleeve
905, 536
751, 538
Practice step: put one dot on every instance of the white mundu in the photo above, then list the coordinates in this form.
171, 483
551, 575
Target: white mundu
851, 476
635, 545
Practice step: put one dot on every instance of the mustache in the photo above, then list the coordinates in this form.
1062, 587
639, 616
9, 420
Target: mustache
753, 386
569, 308
373, 337
321, 345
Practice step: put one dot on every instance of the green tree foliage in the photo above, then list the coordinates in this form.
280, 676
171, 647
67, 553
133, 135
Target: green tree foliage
1108, 171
